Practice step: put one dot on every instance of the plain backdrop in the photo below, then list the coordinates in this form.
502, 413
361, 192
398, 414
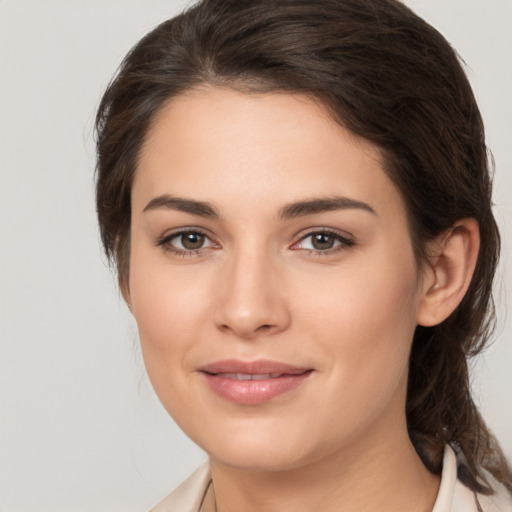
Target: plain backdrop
80, 427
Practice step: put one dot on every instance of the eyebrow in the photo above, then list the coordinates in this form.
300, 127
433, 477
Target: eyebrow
199, 208
289, 211
322, 204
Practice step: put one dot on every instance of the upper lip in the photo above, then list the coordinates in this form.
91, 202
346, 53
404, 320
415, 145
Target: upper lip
258, 367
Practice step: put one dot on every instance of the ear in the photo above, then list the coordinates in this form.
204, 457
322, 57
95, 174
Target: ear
446, 279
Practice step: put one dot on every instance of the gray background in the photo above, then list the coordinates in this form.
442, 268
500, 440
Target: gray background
80, 427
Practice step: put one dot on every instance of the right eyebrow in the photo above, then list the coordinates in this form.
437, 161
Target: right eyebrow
323, 204
199, 208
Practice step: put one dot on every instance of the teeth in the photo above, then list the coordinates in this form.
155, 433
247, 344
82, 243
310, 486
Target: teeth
249, 376
262, 376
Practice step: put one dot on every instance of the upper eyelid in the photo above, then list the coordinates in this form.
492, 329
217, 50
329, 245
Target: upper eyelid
331, 231
181, 231
164, 240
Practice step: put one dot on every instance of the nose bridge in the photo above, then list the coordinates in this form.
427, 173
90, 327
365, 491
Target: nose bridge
250, 302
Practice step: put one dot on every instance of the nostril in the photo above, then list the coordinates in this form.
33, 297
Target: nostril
249, 333
264, 327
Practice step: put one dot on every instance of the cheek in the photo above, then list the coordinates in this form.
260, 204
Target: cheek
170, 309
365, 320
374, 293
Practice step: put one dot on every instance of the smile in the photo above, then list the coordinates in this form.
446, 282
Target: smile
252, 383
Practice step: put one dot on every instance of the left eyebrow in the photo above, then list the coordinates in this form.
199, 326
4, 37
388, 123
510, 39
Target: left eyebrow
199, 208
322, 204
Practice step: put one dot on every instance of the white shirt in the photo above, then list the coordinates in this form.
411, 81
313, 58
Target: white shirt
453, 496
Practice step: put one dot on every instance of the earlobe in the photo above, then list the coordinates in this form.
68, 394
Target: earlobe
454, 257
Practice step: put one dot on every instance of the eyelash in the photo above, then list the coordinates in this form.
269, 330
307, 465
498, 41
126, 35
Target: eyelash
164, 243
344, 242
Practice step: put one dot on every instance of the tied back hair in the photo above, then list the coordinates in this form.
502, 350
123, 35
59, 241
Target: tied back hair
387, 76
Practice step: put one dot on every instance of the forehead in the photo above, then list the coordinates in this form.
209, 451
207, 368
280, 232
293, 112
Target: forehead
217, 115
248, 149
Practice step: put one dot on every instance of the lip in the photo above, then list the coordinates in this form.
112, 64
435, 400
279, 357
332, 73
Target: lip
253, 382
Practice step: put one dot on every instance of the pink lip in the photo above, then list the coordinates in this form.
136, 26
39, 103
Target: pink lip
252, 382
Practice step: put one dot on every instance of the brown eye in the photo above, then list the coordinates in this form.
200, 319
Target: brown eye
192, 241
327, 242
322, 241
189, 242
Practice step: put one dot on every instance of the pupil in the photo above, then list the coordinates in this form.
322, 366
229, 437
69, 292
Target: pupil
192, 241
323, 241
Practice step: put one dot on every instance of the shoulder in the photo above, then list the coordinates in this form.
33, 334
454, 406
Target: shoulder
454, 496
188, 496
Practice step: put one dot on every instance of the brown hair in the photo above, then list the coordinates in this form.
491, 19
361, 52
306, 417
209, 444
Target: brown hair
387, 76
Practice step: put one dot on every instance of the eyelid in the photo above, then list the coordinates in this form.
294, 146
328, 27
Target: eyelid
164, 241
346, 240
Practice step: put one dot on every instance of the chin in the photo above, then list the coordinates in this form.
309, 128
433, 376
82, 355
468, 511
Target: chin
257, 447
258, 458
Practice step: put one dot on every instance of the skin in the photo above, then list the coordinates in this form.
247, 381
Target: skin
257, 290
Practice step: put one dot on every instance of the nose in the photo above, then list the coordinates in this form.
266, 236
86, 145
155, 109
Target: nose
251, 301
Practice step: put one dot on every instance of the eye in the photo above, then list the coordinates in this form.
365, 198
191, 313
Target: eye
323, 242
190, 241
186, 242
320, 241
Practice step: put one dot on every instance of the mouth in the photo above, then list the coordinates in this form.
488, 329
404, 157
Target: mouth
249, 376
252, 383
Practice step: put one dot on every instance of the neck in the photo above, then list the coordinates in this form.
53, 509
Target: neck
385, 475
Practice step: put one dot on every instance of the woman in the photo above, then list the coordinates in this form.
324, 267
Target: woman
297, 198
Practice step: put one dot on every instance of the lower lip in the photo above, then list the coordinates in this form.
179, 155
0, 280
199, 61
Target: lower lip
253, 392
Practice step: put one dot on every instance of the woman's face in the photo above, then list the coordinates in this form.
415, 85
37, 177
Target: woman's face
272, 279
